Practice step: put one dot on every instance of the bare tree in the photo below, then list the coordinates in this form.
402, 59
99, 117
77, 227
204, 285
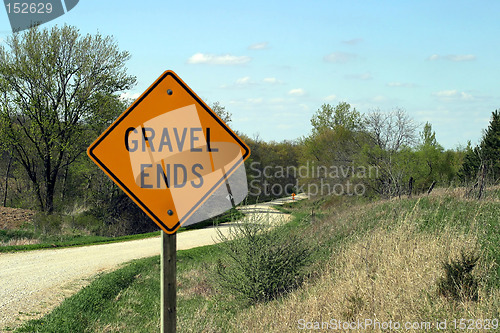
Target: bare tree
389, 134
220, 110
391, 131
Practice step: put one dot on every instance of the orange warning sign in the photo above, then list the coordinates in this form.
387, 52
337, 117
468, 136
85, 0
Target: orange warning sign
173, 156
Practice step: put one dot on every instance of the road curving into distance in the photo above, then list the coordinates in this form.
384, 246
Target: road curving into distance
32, 283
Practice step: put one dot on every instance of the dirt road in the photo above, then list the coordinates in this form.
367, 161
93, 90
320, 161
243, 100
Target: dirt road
33, 283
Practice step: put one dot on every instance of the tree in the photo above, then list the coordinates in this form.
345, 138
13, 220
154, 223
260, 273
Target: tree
391, 137
485, 155
220, 110
490, 147
391, 131
435, 165
53, 83
428, 136
329, 117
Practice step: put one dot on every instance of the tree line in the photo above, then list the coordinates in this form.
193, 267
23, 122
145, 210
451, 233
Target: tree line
59, 90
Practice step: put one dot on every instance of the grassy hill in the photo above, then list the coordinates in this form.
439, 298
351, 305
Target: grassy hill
412, 262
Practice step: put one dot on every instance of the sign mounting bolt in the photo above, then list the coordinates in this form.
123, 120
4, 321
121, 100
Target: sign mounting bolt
170, 92
170, 212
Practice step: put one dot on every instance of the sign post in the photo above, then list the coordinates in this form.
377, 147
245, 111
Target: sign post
168, 282
172, 155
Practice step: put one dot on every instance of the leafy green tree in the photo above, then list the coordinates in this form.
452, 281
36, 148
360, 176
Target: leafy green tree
429, 154
329, 117
52, 84
332, 145
271, 168
429, 136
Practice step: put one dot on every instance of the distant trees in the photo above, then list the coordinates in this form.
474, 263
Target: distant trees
482, 163
271, 168
331, 118
55, 85
382, 150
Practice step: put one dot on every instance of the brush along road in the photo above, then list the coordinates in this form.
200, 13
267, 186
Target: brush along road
33, 283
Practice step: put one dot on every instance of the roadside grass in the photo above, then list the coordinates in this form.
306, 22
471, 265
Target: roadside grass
68, 240
27, 239
380, 260
386, 263
127, 300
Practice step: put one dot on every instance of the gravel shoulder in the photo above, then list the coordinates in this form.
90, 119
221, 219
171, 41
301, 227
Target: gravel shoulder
33, 283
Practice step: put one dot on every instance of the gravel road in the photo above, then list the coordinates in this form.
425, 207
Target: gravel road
35, 282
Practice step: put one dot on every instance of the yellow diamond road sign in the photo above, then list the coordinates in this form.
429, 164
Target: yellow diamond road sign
173, 156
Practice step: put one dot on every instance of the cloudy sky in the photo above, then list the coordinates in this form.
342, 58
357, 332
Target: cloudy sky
274, 63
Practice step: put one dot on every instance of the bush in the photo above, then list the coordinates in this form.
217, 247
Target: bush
262, 263
121, 216
48, 224
459, 283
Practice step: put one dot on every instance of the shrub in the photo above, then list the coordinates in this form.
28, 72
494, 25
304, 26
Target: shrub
48, 224
262, 263
459, 283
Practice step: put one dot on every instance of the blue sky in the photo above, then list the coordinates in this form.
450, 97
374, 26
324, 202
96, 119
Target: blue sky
272, 64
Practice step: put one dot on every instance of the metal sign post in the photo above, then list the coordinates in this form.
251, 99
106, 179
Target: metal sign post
168, 282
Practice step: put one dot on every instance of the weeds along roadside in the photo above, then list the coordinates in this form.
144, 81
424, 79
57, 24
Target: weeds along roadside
57, 231
196, 290
384, 258
388, 261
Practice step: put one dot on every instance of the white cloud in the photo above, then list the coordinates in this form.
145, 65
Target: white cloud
304, 107
211, 59
446, 93
353, 41
259, 46
453, 57
255, 100
364, 76
434, 57
271, 80
466, 97
330, 98
277, 100
339, 57
401, 84
379, 98
449, 95
297, 92
461, 57
243, 81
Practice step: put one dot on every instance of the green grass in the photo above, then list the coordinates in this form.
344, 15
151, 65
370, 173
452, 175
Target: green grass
128, 299
60, 241
86, 308
69, 240
132, 304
